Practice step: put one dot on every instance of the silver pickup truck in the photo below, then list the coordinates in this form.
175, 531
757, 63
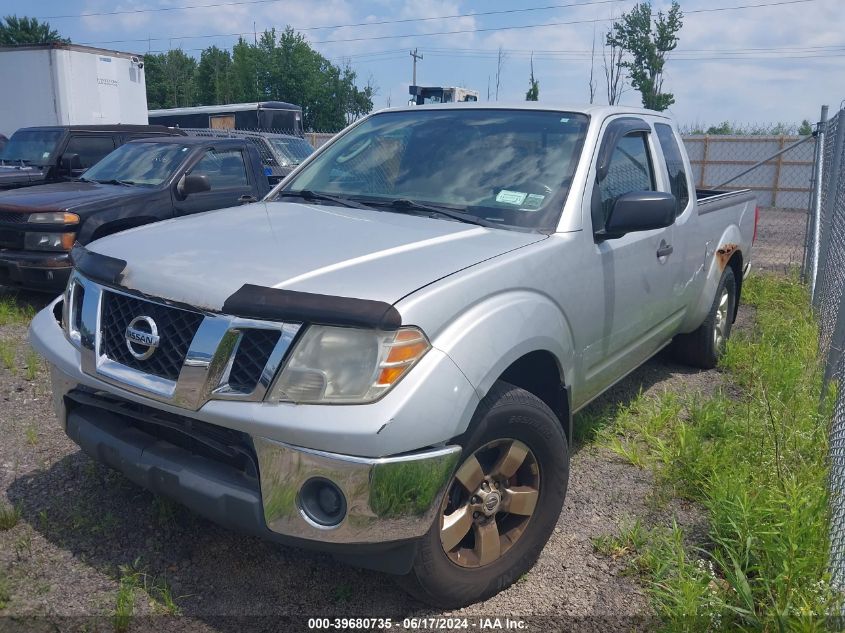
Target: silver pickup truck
383, 358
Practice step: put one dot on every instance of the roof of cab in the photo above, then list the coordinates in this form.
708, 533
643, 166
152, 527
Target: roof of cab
117, 127
599, 111
191, 140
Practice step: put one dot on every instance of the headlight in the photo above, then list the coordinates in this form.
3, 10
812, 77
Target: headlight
49, 241
53, 217
334, 365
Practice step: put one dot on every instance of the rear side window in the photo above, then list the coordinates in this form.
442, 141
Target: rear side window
674, 165
225, 169
629, 170
91, 149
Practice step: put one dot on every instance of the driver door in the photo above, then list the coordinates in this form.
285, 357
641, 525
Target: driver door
635, 278
229, 179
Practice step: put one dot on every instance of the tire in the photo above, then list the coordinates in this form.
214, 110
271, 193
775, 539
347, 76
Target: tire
703, 347
508, 421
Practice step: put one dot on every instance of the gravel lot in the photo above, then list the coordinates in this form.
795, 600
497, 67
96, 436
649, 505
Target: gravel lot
81, 522
780, 239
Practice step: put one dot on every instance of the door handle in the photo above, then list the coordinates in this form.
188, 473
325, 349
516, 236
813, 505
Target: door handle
246, 199
664, 250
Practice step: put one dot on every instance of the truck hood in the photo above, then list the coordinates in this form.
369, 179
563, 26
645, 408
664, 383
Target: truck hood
14, 175
201, 260
66, 196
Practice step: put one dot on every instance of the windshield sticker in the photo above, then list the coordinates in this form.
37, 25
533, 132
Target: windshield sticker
534, 201
45, 155
511, 197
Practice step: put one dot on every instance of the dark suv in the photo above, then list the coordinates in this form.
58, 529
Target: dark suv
40, 155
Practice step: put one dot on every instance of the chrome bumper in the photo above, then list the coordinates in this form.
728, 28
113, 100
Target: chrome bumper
388, 499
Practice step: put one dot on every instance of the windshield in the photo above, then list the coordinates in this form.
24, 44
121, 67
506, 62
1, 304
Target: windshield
146, 164
292, 151
31, 146
509, 167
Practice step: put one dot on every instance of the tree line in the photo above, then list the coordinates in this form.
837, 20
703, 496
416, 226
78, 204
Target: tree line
276, 67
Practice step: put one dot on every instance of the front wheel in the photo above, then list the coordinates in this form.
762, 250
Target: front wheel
501, 506
703, 347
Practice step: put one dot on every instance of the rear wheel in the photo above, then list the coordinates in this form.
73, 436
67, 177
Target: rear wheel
703, 347
501, 506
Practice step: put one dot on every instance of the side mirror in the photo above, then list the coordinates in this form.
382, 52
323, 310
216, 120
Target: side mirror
192, 183
70, 163
639, 211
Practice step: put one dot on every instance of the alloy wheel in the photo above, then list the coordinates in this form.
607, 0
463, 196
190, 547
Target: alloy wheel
489, 503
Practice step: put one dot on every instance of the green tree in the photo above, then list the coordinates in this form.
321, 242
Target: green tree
170, 79
648, 43
15, 31
214, 77
533, 93
806, 128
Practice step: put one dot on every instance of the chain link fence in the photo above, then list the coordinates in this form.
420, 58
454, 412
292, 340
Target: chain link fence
779, 170
826, 276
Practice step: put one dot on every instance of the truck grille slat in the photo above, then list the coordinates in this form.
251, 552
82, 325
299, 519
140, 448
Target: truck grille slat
252, 355
13, 217
176, 328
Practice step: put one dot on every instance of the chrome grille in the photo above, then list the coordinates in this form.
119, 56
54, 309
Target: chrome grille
252, 355
176, 327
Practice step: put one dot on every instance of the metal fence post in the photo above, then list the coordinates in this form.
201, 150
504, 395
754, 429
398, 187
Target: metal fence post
834, 178
816, 209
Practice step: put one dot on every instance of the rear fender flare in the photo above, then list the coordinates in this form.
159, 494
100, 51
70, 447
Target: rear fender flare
718, 254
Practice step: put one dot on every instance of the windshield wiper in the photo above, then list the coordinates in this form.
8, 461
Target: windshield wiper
402, 204
307, 194
114, 181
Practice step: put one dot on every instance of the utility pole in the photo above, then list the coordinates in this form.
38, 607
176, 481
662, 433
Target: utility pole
416, 57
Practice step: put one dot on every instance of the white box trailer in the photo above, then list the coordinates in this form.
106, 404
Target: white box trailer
67, 84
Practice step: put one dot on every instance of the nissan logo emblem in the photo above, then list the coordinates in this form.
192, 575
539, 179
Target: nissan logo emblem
142, 337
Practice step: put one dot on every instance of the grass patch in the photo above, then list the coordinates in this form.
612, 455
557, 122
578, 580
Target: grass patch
757, 464
8, 351
9, 516
124, 606
14, 312
132, 580
33, 364
5, 590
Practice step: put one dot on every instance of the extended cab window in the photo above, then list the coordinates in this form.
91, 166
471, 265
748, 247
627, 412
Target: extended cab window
674, 164
225, 169
629, 169
91, 149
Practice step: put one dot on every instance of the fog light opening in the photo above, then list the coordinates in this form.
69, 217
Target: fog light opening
322, 502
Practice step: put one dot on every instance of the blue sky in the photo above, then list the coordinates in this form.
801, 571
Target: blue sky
754, 65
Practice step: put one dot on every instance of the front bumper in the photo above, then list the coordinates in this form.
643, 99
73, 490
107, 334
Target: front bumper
47, 271
389, 499
392, 499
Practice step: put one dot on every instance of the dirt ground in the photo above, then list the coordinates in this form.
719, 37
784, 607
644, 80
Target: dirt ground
80, 523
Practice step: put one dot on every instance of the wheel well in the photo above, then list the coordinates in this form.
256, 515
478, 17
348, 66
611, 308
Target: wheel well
735, 262
538, 373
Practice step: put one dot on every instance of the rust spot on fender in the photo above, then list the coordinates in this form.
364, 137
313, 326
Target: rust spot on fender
723, 255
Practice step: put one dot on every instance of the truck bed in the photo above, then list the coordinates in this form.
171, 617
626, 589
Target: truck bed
714, 199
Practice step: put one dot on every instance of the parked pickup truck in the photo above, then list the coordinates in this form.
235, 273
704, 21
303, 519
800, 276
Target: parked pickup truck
141, 182
40, 155
381, 360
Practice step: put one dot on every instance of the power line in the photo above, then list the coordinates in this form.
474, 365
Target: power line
459, 31
336, 26
156, 10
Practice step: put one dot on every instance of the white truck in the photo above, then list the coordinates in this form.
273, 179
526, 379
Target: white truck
68, 84
382, 358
